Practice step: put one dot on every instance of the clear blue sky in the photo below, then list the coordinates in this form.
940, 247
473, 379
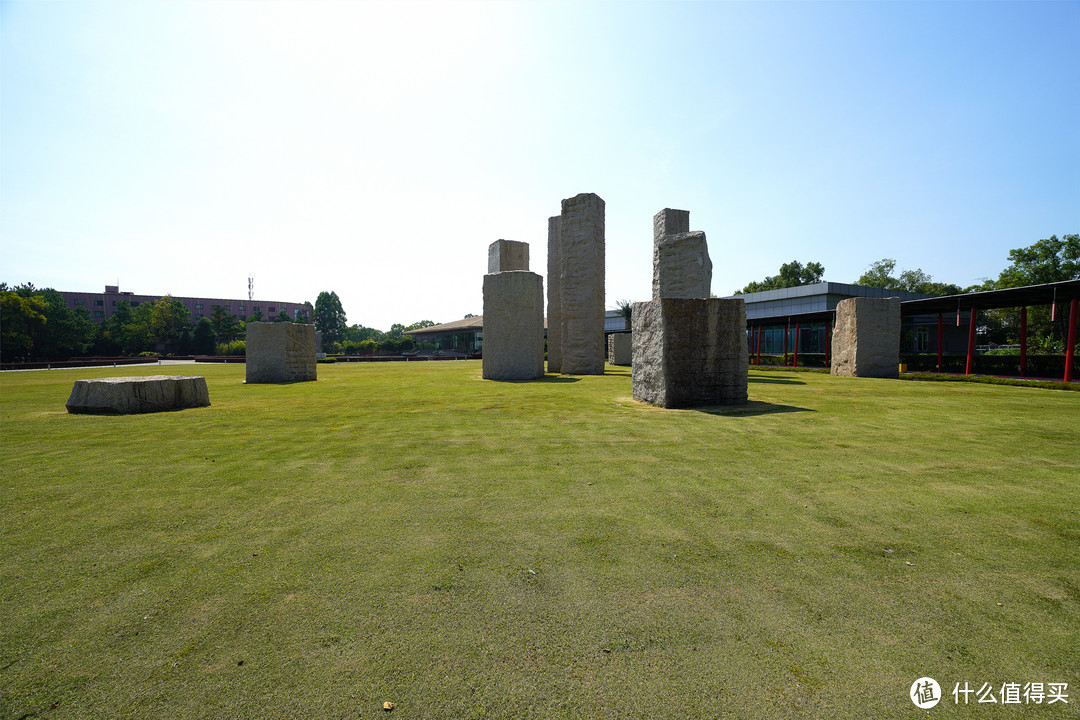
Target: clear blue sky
377, 149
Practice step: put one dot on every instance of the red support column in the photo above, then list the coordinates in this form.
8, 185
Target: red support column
795, 361
971, 344
1023, 342
940, 339
1070, 344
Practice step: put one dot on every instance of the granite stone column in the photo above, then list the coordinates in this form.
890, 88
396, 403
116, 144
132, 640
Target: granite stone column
581, 285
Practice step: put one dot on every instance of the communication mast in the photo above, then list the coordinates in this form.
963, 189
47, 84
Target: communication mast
251, 288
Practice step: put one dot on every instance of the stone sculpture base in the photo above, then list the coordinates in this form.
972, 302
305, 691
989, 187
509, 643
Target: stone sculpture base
513, 326
620, 348
690, 352
131, 395
280, 352
866, 338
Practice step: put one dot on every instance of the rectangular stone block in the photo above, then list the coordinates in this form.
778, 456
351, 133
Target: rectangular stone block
280, 352
513, 326
132, 395
620, 348
690, 352
681, 266
670, 222
507, 255
866, 338
581, 285
554, 296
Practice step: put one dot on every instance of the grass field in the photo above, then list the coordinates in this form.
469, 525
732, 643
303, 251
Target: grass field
471, 549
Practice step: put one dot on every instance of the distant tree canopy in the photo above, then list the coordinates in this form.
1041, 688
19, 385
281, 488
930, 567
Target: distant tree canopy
792, 274
880, 275
330, 319
1046, 261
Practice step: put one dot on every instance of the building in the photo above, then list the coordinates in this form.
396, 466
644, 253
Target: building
102, 305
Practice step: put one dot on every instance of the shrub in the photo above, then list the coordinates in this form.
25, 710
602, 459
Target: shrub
236, 347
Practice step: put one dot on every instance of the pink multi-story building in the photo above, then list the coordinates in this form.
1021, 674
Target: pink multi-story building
103, 305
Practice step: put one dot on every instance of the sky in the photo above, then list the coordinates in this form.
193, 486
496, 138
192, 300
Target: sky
376, 149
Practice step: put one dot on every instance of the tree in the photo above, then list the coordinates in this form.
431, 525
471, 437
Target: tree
204, 339
880, 275
21, 320
168, 319
1048, 260
226, 325
256, 316
792, 274
420, 325
626, 311
329, 319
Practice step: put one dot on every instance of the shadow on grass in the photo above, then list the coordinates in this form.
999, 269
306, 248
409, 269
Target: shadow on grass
776, 381
752, 408
545, 379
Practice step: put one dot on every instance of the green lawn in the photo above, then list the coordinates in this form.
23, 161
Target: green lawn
465, 548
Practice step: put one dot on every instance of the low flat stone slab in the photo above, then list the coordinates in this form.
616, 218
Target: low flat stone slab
131, 395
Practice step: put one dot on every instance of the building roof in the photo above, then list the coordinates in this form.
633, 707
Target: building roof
993, 299
472, 324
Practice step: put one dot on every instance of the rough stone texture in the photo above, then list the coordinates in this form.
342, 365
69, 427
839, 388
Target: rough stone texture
866, 338
620, 348
690, 352
130, 395
681, 266
670, 222
507, 255
279, 352
513, 326
581, 285
554, 297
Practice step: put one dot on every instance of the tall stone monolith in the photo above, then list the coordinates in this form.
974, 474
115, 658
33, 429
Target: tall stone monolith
866, 338
581, 285
513, 326
554, 296
279, 352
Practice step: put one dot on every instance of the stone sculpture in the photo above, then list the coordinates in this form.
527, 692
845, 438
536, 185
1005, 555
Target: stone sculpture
619, 348
280, 352
690, 351
505, 255
130, 395
681, 264
866, 338
513, 326
554, 296
581, 285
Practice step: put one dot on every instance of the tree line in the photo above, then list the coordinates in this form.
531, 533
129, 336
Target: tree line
340, 337
1048, 260
37, 324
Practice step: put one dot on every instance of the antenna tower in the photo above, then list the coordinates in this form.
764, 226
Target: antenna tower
251, 288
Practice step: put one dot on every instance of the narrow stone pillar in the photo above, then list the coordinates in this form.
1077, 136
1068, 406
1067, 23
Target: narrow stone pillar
866, 339
504, 255
513, 326
554, 298
581, 285
690, 352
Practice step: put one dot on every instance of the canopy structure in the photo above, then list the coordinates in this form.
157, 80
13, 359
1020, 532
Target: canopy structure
1057, 294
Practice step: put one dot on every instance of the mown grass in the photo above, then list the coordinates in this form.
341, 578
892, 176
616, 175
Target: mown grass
475, 549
